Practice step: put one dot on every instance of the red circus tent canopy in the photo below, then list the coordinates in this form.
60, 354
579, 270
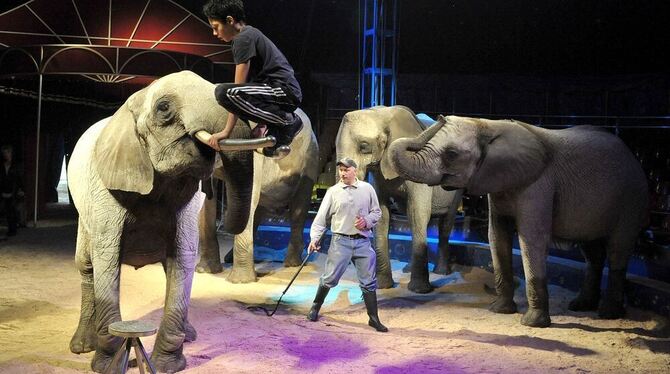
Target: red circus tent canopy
107, 40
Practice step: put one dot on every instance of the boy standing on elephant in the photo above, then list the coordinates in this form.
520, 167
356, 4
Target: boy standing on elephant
265, 89
353, 210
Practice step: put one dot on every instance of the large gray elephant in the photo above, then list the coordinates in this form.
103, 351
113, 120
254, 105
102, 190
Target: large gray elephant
281, 187
364, 136
580, 184
134, 179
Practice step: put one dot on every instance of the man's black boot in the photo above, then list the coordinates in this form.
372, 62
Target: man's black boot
370, 298
321, 293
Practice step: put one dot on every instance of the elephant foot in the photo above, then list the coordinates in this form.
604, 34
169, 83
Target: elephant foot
168, 363
443, 269
503, 305
583, 303
611, 310
422, 286
83, 341
242, 275
536, 318
101, 361
385, 281
211, 267
190, 335
292, 261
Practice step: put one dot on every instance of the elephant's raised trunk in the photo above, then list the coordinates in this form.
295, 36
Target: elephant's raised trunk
413, 160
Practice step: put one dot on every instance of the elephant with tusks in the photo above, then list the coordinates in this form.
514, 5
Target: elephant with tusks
579, 184
134, 179
365, 136
282, 187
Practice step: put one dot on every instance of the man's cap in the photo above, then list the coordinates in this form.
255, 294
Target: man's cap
347, 162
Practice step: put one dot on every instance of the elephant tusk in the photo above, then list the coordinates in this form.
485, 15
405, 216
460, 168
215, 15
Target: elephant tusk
238, 144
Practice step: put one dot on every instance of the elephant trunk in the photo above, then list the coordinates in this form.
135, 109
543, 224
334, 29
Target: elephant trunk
238, 182
415, 159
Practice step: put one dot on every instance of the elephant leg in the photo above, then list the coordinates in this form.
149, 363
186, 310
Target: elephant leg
258, 218
243, 246
191, 333
84, 339
418, 213
619, 247
210, 259
106, 278
446, 224
167, 355
299, 207
501, 231
589, 294
534, 230
383, 267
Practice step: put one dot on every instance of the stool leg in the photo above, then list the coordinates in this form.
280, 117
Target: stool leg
152, 369
126, 356
116, 358
138, 355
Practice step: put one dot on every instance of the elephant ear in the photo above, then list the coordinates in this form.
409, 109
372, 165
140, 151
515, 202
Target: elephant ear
512, 156
120, 159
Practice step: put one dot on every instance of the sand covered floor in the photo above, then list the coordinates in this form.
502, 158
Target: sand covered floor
447, 331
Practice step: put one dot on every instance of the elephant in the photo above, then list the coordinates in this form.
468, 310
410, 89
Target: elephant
580, 184
364, 136
134, 179
277, 185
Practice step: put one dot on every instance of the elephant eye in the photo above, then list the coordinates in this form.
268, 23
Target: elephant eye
364, 148
164, 111
450, 155
163, 106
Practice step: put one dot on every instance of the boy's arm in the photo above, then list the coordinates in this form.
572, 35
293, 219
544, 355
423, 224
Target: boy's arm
241, 75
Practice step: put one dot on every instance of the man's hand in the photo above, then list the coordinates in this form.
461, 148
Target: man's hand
313, 246
360, 223
214, 140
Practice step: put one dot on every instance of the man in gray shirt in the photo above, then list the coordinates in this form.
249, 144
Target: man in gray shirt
352, 208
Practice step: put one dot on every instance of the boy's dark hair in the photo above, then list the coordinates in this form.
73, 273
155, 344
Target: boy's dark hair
220, 9
6, 147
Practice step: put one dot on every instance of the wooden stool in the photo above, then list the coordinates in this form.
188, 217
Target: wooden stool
131, 332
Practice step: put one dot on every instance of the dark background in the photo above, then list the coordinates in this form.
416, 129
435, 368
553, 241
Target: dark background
472, 36
475, 36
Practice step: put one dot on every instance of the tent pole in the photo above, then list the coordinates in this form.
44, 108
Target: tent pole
37, 150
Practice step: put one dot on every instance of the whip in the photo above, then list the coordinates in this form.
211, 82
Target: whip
270, 314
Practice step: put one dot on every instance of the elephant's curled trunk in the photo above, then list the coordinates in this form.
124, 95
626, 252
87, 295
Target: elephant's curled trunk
412, 160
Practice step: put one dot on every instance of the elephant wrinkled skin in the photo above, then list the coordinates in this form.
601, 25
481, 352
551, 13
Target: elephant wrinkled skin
364, 136
285, 188
134, 179
580, 184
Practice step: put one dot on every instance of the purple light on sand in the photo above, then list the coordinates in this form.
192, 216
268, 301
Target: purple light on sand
322, 348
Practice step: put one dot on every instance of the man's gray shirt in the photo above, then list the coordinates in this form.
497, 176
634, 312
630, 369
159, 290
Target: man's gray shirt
341, 204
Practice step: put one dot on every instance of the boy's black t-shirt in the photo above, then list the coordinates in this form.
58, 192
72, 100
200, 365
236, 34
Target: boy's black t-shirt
268, 64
